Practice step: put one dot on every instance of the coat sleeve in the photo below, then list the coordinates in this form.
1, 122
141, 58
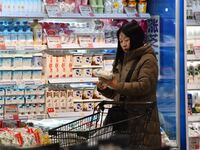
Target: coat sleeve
146, 80
109, 93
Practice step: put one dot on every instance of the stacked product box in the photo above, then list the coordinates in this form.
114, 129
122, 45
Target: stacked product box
73, 99
20, 67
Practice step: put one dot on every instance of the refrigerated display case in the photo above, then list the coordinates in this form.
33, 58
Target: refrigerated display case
169, 84
192, 60
83, 34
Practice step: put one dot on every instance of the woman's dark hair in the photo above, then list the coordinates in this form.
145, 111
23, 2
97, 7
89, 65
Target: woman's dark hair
136, 35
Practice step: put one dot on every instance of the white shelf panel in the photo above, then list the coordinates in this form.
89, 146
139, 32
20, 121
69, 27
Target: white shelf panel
94, 47
70, 114
98, 16
194, 86
22, 15
73, 80
22, 68
192, 22
90, 100
22, 82
194, 118
31, 116
193, 58
93, 66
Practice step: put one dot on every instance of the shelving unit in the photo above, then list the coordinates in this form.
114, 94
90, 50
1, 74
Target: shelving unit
193, 88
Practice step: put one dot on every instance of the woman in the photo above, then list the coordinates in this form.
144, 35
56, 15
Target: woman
133, 52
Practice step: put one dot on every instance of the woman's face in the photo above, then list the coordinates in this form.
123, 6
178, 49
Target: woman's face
124, 42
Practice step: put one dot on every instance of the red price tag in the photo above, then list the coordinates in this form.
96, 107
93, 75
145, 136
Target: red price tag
15, 117
50, 110
58, 46
2, 43
90, 45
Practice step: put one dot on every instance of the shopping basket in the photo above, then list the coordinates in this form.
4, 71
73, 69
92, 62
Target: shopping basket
90, 129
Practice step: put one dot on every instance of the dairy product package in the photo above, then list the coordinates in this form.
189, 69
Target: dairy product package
103, 74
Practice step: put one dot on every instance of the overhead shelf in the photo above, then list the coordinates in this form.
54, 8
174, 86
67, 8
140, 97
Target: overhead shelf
22, 82
73, 80
194, 86
194, 118
191, 22
193, 57
98, 16
21, 68
23, 15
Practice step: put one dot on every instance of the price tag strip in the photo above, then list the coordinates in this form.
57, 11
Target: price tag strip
86, 10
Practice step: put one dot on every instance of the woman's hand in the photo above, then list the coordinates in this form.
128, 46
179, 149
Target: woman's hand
111, 83
101, 85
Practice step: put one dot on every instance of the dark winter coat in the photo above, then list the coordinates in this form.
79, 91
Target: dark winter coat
142, 87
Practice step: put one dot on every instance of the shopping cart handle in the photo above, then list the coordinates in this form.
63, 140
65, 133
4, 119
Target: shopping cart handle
101, 104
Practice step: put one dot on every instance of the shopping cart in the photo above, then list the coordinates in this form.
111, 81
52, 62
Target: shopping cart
90, 129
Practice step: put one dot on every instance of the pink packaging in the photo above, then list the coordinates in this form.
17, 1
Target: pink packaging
84, 2
77, 4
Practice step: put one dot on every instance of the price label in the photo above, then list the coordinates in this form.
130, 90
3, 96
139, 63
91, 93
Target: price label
131, 11
86, 10
2, 43
50, 110
11, 112
53, 10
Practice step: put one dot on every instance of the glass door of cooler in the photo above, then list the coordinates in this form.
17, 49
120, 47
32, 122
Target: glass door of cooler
192, 51
167, 85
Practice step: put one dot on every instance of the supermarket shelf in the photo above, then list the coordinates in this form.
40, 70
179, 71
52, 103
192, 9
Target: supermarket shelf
69, 114
26, 117
98, 16
22, 82
194, 86
73, 80
192, 22
22, 68
23, 15
32, 116
94, 47
193, 58
194, 118
91, 100
93, 66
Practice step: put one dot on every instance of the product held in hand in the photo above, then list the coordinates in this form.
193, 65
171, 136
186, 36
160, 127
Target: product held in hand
103, 74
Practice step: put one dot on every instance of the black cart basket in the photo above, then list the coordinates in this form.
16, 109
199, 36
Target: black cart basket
90, 129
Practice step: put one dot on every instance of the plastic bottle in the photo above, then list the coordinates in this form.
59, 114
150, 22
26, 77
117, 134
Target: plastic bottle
28, 36
13, 37
21, 37
37, 33
142, 6
6, 34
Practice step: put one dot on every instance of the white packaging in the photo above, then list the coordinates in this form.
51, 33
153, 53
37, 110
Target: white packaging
87, 60
87, 73
27, 74
69, 65
77, 94
97, 60
27, 61
77, 60
77, 73
17, 75
87, 93
78, 106
36, 74
17, 61
6, 61
7, 75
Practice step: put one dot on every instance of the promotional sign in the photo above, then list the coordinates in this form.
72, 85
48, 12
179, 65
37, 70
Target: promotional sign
153, 35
